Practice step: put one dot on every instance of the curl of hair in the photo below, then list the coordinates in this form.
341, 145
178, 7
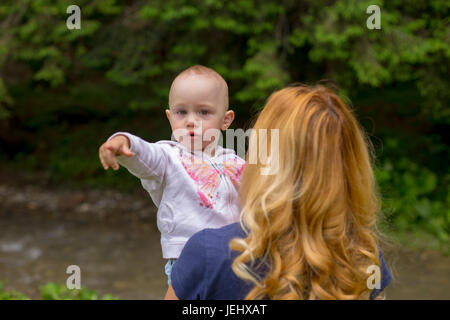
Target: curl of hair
313, 222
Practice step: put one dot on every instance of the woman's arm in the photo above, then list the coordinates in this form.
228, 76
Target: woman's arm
188, 276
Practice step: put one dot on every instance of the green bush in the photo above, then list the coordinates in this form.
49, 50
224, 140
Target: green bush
11, 295
414, 198
54, 291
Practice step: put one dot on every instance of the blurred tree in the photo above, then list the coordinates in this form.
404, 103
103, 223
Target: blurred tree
255, 44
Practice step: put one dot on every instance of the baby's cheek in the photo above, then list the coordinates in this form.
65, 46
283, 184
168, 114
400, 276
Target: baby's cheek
211, 134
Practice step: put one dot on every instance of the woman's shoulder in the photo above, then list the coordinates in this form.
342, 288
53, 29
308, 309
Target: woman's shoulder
215, 242
203, 270
222, 236
222, 281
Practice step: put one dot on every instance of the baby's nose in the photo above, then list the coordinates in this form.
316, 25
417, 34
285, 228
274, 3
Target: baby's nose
193, 122
191, 119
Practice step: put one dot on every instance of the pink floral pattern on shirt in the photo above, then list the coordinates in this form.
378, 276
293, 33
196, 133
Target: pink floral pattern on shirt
207, 175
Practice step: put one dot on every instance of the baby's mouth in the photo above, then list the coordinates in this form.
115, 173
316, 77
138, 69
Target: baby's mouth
193, 134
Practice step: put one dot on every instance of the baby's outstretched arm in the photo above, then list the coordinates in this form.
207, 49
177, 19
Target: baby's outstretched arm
119, 145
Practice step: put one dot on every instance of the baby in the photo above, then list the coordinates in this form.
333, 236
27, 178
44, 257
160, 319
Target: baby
191, 180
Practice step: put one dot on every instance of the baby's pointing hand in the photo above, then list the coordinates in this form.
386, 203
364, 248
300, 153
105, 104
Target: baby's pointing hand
108, 151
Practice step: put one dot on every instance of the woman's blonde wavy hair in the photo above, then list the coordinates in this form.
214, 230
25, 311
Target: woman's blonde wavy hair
312, 224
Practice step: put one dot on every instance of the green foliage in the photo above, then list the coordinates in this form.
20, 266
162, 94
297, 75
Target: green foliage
414, 196
5, 99
411, 45
252, 43
11, 295
54, 291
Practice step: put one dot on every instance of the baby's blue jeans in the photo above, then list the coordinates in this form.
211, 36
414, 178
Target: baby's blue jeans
168, 269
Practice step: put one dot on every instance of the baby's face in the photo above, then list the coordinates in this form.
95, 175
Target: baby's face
198, 111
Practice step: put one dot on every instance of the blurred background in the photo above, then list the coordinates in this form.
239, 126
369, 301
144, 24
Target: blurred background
64, 92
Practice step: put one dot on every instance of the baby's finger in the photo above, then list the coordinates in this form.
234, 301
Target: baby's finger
113, 149
100, 156
115, 166
111, 162
105, 166
127, 152
108, 158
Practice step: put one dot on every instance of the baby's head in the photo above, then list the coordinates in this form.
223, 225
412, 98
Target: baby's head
198, 107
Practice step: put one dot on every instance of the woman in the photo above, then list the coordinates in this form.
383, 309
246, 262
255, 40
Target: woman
306, 232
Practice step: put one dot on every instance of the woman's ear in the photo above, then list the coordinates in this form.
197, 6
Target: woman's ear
228, 119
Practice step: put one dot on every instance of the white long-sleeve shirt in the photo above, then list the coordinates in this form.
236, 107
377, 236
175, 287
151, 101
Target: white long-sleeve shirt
192, 190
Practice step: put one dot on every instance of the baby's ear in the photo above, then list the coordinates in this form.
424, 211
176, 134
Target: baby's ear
168, 114
228, 119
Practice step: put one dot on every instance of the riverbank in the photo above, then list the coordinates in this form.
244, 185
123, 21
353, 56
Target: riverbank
113, 237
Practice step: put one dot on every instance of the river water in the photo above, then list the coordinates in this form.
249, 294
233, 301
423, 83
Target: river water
124, 260
118, 250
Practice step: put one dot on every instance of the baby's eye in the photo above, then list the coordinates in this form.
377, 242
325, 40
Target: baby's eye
181, 112
204, 112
